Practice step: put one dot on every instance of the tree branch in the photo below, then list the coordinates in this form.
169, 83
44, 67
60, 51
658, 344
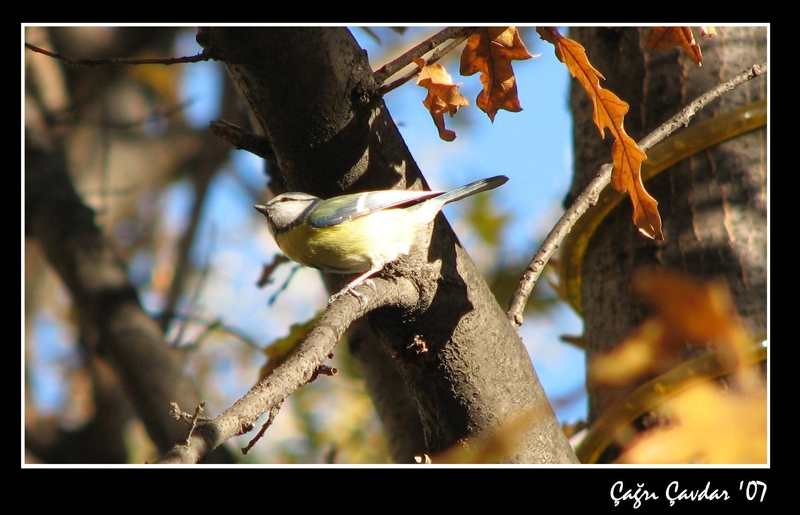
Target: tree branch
299, 369
202, 56
457, 34
241, 139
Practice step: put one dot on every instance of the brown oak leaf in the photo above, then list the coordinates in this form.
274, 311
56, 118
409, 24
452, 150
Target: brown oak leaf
490, 51
664, 38
443, 96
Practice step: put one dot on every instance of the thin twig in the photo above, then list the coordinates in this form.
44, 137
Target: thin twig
268, 269
193, 300
591, 193
285, 285
212, 326
181, 267
458, 34
191, 420
683, 118
205, 55
273, 412
435, 56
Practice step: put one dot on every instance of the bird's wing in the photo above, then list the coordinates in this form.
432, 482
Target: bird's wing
343, 208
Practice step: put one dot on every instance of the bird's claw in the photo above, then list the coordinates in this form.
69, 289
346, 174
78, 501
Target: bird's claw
350, 288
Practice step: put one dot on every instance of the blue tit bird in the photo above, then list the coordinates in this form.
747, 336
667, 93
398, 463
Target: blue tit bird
358, 233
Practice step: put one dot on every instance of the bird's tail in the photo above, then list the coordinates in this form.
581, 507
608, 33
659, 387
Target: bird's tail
471, 189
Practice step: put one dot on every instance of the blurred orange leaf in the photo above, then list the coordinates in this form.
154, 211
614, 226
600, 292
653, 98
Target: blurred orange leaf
489, 447
704, 311
664, 38
609, 111
443, 96
490, 51
701, 419
734, 431
688, 311
701, 312
642, 353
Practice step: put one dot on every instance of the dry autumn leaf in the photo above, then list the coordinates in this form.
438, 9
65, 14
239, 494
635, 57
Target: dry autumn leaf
490, 51
627, 176
664, 38
609, 112
443, 96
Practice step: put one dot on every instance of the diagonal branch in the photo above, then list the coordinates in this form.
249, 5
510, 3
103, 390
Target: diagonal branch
457, 34
299, 369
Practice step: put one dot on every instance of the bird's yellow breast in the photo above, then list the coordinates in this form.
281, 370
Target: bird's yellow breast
354, 246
